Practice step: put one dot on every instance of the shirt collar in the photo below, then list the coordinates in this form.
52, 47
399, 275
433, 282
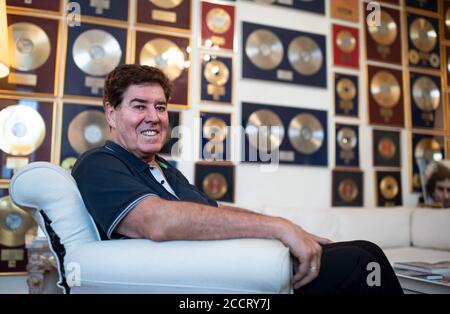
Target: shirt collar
131, 158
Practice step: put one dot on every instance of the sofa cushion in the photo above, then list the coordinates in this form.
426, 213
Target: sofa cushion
387, 227
430, 228
321, 222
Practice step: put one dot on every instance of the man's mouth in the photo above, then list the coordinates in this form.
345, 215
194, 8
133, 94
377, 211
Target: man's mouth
150, 132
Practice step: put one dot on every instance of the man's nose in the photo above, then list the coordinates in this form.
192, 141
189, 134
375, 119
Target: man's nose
151, 115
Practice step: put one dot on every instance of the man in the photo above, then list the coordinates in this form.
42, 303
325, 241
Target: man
132, 192
438, 184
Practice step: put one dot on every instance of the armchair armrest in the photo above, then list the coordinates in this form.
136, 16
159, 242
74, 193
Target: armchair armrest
143, 266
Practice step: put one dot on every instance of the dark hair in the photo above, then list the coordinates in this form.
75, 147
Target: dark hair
440, 173
125, 75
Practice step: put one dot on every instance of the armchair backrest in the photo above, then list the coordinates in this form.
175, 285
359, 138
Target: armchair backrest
51, 196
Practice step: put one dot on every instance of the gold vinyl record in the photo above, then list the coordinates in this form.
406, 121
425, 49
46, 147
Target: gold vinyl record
96, 52
305, 56
216, 72
29, 46
347, 138
218, 20
22, 130
389, 187
385, 89
215, 129
87, 130
346, 89
166, 4
428, 149
14, 223
348, 190
426, 94
386, 33
68, 163
215, 185
265, 130
306, 133
386, 148
423, 35
346, 41
264, 49
165, 55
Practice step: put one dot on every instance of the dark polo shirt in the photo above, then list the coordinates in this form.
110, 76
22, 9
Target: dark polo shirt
112, 181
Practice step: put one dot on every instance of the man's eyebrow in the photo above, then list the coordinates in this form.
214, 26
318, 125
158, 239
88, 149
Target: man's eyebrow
140, 100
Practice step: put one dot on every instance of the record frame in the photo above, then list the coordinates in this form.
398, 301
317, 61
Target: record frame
223, 40
343, 107
45, 152
379, 135
224, 92
226, 169
341, 58
347, 10
165, 19
338, 176
77, 88
227, 142
382, 201
347, 158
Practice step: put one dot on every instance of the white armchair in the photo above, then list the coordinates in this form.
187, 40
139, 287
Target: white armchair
88, 265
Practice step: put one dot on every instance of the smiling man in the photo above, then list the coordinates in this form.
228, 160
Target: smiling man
132, 192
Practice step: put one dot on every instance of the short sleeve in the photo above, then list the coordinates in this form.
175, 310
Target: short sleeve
109, 189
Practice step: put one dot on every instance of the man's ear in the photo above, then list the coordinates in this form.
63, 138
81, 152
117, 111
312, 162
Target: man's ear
110, 114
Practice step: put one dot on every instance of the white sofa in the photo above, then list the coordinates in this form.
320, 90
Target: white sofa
404, 234
88, 265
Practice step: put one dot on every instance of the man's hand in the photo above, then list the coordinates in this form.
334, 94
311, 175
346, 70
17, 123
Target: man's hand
306, 249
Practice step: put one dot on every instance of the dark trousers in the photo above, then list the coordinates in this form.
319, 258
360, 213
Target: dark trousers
344, 270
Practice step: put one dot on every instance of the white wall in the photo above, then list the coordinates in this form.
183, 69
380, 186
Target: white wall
299, 186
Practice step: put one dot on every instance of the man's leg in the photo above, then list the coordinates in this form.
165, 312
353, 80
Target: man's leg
344, 270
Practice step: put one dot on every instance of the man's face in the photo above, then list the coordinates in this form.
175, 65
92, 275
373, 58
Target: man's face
442, 192
141, 121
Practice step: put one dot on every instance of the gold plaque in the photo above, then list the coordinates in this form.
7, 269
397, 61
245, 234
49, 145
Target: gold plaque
306, 133
22, 130
305, 56
264, 49
389, 187
423, 35
215, 129
265, 130
386, 148
29, 47
14, 223
87, 130
166, 4
428, 149
385, 89
426, 94
218, 20
216, 72
348, 190
165, 55
215, 185
346, 41
96, 52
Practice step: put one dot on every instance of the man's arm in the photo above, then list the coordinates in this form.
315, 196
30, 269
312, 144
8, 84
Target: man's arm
161, 220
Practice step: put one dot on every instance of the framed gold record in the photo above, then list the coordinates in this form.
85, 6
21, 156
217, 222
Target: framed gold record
217, 79
27, 133
347, 188
165, 14
33, 49
15, 224
171, 54
83, 127
216, 180
388, 187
